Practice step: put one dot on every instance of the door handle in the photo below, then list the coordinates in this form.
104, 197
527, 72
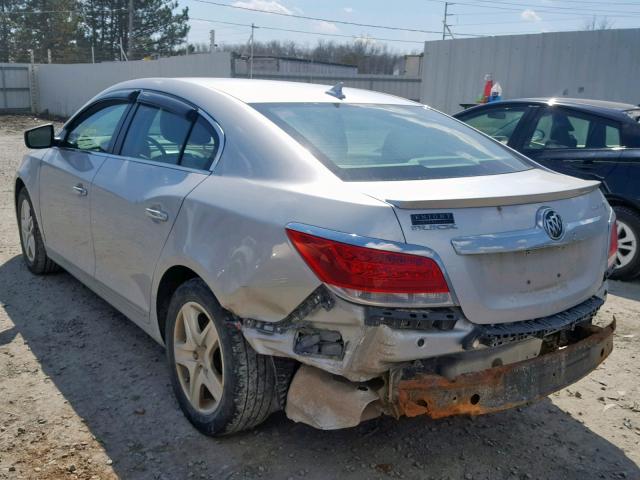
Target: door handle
80, 190
157, 214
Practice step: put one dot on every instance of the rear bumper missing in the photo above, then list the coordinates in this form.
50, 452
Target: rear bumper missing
413, 393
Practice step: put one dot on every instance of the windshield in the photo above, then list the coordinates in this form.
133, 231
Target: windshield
391, 142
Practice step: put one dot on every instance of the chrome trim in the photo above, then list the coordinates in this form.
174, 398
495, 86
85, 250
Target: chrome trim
80, 190
221, 137
156, 214
531, 239
156, 163
378, 244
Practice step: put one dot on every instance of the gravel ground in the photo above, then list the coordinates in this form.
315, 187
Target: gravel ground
85, 394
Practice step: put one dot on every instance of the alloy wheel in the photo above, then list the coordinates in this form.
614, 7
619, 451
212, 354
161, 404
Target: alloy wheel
198, 358
627, 245
27, 226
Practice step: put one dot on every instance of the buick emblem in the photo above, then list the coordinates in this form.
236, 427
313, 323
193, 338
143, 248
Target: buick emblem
552, 223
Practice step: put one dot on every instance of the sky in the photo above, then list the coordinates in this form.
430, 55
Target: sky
467, 18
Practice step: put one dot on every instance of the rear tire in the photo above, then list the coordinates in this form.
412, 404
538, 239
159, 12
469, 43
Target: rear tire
628, 257
222, 385
33, 249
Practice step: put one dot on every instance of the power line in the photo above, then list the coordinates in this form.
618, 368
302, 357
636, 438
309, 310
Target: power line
356, 37
600, 11
581, 2
304, 17
511, 22
519, 10
39, 12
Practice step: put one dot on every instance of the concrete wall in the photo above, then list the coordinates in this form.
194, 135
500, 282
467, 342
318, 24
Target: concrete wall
602, 64
407, 87
62, 89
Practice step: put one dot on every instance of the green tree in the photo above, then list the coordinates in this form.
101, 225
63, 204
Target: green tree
157, 28
8, 17
47, 26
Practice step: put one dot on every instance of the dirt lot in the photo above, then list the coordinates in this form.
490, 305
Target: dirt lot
85, 394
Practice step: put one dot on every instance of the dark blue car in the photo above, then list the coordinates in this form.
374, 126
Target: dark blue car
590, 139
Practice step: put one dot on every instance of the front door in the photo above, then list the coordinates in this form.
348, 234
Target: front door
574, 143
65, 183
138, 194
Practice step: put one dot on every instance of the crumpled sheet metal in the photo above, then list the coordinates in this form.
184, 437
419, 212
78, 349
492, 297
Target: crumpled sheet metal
502, 387
328, 402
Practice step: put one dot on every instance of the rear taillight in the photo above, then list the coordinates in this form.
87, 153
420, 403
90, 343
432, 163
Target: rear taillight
613, 244
371, 275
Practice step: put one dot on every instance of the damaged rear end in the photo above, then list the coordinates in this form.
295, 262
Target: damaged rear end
488, 304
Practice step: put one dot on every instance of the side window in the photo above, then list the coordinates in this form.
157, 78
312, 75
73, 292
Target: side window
156, 134
612, 137
499, 123
202, 146
94, 132
559, 129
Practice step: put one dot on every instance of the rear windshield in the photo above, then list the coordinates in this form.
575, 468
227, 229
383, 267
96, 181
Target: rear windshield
391, 142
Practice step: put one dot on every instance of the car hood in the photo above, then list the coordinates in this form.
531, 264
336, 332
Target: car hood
529, 186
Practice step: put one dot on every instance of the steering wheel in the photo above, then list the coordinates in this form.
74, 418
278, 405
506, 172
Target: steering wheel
157, 144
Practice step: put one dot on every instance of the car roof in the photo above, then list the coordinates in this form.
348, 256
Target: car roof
266, 91
583, 102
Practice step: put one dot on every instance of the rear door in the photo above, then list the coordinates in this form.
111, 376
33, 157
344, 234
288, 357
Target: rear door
66, 176
575, 143
163, 155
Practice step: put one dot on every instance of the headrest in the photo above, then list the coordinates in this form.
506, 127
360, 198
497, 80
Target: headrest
168, 126
560, 121
201, 134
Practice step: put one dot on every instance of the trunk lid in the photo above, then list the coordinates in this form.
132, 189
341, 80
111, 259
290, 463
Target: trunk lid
489, 233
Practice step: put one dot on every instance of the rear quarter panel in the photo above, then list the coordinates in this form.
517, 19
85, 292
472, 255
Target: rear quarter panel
231, 231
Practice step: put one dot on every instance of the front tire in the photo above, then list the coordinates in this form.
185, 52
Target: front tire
222, 385
628, 256
33, 249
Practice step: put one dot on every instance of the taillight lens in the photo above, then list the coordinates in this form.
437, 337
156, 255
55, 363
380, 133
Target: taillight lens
613, 244
372, 275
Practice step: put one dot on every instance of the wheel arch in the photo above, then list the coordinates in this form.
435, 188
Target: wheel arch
18, 186
171, 279
617, 201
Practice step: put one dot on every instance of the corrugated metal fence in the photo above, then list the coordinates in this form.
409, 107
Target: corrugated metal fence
602, 64
15, 88
61, 89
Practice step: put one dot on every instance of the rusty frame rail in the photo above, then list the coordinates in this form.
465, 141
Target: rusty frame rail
502, 387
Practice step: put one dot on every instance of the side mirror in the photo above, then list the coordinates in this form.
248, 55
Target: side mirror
39, 137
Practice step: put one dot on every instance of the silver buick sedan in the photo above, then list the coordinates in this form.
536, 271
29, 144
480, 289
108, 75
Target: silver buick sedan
333, 252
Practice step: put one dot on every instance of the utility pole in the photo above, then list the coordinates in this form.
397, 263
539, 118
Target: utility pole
445, 25
130, 37
212, 41
253, 27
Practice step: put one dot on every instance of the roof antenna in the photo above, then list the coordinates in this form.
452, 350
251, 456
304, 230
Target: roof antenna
336, 91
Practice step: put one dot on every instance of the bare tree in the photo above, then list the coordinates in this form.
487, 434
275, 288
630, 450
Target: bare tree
368, 56
598, 23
